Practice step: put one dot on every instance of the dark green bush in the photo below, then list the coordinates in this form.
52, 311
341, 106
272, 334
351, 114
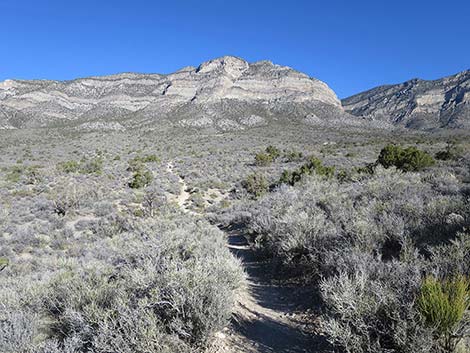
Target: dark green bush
314, 165
256, 184
141, 178
263, 159
343, 175
137, 163
274, 152
286, 177
410, 159
367, 169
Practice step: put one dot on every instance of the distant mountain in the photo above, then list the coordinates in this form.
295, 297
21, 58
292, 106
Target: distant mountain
226, 93
417, 104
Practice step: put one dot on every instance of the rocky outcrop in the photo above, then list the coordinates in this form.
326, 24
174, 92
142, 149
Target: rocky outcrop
223, 93
417, 104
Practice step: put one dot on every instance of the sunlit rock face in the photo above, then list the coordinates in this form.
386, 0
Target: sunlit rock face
228, 89
420, 104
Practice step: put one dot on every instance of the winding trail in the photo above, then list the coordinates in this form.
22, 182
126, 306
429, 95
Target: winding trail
269, 315
183, 197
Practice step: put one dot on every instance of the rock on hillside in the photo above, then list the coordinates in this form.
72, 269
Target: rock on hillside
418, 104
224, 93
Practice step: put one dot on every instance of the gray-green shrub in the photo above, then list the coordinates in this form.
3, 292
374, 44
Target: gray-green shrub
166, 285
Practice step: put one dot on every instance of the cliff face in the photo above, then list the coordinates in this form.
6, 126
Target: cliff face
224, 92
418, 104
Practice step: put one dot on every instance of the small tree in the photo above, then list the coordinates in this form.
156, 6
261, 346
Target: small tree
442, 305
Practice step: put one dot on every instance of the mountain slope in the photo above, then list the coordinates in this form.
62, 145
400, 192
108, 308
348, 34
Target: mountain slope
224, 93
418, 104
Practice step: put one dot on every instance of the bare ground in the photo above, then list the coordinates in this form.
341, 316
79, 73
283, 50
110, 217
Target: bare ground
270, 316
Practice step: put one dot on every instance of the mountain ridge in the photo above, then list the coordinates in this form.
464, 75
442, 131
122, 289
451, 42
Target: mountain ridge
417, 103
229, 93
202, 93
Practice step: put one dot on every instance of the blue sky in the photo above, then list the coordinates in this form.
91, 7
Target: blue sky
351, 45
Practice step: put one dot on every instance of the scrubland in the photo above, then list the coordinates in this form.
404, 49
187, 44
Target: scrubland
96, 256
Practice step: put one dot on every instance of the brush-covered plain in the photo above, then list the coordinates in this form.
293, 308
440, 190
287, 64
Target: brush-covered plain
96, 255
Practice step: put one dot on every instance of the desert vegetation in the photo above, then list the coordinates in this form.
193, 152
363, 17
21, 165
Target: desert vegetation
99, 253
388, 250
94, 257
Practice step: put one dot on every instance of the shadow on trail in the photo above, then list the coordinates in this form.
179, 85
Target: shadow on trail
270, 327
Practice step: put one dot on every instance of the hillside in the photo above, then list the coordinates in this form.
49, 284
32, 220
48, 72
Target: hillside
226, 93
417, 104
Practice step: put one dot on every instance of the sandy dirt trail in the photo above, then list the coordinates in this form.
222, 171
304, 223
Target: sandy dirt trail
266, 319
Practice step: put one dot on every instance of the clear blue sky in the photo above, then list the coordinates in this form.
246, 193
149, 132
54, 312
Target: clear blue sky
351, 45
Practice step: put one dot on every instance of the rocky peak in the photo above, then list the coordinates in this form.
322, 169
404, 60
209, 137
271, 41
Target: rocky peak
230, 65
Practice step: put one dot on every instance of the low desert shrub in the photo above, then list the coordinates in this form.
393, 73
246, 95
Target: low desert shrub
149, 158
136, 163
162, 284
263, 159
15, 173
91, 166
293, 156
17, 330
452, 151
141, 178
367, 240
69, 195
85, 166
313, 165
453, 258
370, 309
164, 288
273, 152
68, 167
442, 304
256, 184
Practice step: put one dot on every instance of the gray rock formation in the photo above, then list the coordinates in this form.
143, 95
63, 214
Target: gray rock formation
223, 94
418, 104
